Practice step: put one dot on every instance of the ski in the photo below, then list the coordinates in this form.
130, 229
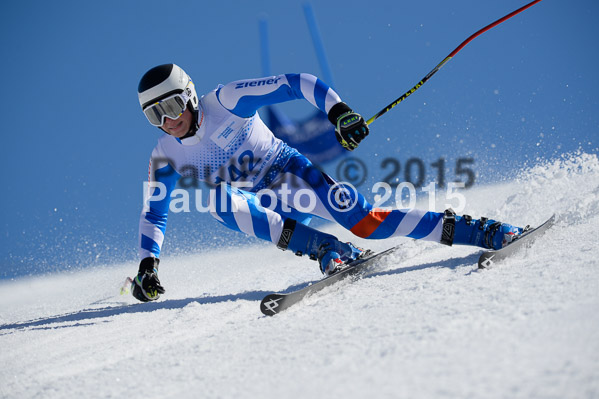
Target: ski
275, 303
489, 258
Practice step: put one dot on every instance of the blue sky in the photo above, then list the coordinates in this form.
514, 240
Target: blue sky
76, 145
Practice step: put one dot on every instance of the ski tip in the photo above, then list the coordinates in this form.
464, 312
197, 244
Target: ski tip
270, 304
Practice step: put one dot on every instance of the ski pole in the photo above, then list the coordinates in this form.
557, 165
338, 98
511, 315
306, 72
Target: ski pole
454, 52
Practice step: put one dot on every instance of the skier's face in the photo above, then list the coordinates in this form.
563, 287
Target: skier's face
180, 126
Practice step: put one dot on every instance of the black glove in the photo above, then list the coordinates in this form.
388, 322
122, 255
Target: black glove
350, 127
146, 286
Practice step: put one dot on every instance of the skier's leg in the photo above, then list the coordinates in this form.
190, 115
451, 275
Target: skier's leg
344, 205
352, 211
241, 211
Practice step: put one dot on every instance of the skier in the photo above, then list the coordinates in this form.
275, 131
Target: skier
220, 139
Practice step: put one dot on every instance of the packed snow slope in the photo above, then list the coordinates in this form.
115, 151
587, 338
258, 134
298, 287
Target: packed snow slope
426, 324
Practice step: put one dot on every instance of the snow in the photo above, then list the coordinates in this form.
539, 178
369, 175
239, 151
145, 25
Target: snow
425, 324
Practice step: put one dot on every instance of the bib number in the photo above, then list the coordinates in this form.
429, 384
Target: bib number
241, 170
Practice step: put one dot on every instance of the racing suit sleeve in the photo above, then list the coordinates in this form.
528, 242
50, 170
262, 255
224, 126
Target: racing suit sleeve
157, 196
244, 97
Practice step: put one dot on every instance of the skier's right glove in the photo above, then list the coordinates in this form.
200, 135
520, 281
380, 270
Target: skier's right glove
350, 127
146, 286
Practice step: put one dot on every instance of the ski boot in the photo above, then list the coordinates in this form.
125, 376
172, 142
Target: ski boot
485, 233
330, 253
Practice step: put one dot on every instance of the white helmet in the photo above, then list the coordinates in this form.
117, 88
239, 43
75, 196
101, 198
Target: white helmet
162, 82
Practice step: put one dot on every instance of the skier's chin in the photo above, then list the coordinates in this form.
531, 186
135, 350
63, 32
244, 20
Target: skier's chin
178, 131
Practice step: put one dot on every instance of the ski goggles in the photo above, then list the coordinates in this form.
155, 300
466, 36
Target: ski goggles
172, 106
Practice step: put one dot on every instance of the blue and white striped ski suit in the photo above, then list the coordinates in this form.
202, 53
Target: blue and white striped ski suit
234, 147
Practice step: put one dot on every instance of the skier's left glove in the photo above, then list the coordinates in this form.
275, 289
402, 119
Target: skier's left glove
350, 127
146, 286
